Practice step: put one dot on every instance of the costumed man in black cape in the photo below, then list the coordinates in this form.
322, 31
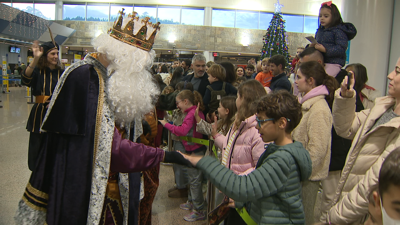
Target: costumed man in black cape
82, 172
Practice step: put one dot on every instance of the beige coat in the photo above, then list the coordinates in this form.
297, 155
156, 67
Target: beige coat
314, 132
365, 157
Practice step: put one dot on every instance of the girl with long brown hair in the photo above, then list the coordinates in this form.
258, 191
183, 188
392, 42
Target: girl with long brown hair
314, 130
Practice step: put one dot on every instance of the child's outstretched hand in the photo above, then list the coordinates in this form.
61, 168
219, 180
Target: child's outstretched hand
196, 114
163, 122
193, 159
320, 47
214, 126
231, 203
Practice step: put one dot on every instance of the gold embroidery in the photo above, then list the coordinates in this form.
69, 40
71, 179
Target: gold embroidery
36, 192
98, 116
41, 118
26, 76
34, 118
34, 199
51, 81
32, 205
44, 82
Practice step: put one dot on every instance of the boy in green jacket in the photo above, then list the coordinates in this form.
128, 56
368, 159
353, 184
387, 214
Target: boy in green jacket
271, 194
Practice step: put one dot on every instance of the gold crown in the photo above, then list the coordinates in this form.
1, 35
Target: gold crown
134, 32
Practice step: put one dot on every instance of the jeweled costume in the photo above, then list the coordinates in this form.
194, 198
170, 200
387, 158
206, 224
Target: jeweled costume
82, 174
42, 83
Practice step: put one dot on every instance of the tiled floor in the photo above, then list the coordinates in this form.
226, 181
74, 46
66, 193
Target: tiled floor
14, 172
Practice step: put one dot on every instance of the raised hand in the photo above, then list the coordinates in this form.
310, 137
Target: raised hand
37, 50
344, 92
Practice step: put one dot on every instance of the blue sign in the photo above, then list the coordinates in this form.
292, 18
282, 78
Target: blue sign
348, 53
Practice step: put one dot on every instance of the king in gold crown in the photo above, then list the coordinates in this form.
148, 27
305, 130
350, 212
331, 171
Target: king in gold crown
137, 33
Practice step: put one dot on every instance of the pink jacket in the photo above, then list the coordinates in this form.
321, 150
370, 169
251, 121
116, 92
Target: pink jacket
247, 148
188, 128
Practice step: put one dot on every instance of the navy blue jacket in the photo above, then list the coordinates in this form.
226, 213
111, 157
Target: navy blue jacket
280, 82
335, 40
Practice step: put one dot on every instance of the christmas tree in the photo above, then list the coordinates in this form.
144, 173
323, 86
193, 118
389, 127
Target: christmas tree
275, 39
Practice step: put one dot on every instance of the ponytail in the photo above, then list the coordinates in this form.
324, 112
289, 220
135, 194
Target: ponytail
192, 96
331, 84
317, 72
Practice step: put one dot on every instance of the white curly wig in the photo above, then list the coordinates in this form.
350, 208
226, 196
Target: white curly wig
130, 88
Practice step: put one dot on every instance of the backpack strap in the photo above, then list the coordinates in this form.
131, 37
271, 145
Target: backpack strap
210, 88
223, 86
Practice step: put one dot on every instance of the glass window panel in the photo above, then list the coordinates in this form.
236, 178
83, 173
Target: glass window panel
6, 3
310, 24
294, 23
265, 19
246, 19
192, 16
26, 7
144, 11
169, 15
97, 12
46, 11
74, 12
116, 8
223, 18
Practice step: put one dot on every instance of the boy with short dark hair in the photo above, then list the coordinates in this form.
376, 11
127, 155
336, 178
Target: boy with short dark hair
279, 81
249, 71
271, 194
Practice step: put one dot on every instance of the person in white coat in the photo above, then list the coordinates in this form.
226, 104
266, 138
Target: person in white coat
375, 133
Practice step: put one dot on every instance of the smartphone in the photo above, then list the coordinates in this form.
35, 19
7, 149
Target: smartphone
348, 80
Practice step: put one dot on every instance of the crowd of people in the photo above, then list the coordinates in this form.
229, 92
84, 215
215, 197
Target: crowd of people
282, 134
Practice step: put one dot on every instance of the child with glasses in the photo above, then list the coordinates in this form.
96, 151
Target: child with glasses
271, 194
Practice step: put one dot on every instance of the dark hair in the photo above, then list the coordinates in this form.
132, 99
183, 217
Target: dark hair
250, 66
42, 64
192, 96
230, 72
176, 76
159, 81
250, 91
228, 102
317, 72
311, 51
336, 18
278, 60
360, 74
184, 85
164, 69
390, 172
278, 104
153, 69
188, 62
239, 67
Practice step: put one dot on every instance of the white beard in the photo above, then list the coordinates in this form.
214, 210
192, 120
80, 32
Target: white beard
130, 88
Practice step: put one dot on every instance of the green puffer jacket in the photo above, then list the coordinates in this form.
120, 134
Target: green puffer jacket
272, 192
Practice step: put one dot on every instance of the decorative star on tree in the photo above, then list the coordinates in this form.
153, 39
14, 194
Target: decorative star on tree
278, 7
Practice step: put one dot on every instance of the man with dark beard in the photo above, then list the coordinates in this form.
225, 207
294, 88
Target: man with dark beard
82, 172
